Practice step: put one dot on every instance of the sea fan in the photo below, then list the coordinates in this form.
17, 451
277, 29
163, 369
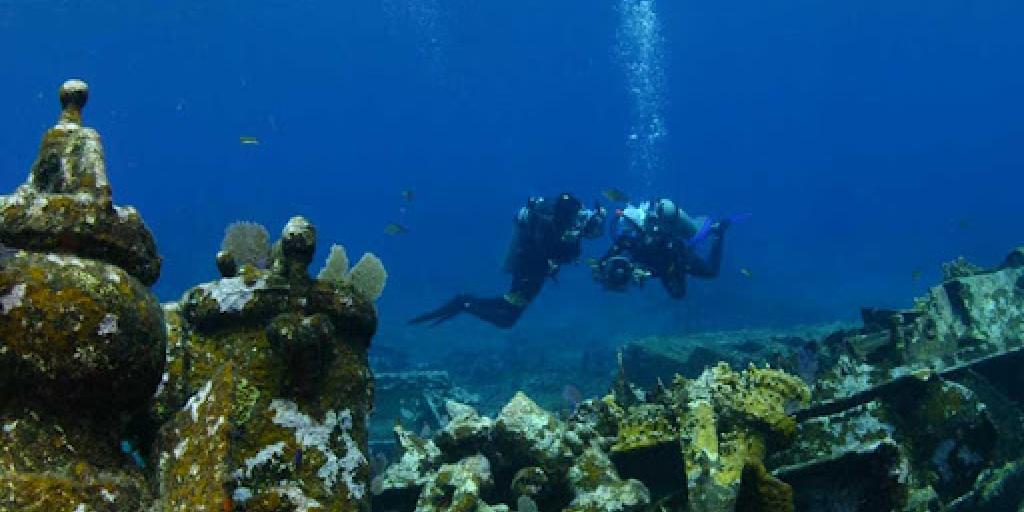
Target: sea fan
336, 268
368, 276
248, 243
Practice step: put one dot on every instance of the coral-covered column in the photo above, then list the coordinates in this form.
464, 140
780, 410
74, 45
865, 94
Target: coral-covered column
274, 367
81, 336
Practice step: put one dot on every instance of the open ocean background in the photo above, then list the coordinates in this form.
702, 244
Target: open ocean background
871, 140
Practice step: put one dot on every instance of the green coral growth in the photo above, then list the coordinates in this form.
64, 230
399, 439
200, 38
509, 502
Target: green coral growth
246, 397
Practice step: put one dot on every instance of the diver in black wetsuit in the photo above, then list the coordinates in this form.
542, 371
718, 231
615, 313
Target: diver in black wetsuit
657, 239
548, 234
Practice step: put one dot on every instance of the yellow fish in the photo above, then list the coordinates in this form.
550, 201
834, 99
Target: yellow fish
746, 272
515, 299
395, 229
615, 195
248, 141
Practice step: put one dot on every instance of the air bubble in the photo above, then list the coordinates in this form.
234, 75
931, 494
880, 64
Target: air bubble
640, 52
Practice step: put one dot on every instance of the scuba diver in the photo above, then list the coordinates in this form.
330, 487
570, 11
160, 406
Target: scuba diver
548, 234
658, 239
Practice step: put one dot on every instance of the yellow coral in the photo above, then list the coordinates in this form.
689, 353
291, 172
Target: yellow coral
757, 397
644, 430
729, 418
702, 431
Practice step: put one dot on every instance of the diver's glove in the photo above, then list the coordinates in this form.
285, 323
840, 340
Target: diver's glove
641, 275
721, 226
553, 268
449, 310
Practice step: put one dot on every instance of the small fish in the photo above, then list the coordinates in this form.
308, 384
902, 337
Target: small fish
298, 458
963, 224
615, 195
228, 504
746, 272
395, 228
516, 299
248, 141
408, 195
916, 274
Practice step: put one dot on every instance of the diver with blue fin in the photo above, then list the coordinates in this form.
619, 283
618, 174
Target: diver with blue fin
657, 239
549, 233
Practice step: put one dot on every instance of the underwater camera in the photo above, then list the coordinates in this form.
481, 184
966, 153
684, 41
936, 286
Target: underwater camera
618, 273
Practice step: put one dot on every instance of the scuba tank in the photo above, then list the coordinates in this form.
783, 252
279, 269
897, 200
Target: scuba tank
628, 222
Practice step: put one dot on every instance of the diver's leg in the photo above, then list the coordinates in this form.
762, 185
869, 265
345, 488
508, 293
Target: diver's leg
504, 312
498, 310
675, 283
709, 267
501, 311
446, 312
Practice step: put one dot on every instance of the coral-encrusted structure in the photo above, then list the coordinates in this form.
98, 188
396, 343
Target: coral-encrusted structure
66, 207
268, 390
265, 391
697, 445
81, 336
920, 409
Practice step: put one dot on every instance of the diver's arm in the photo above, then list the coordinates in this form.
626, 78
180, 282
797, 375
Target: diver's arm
619, 246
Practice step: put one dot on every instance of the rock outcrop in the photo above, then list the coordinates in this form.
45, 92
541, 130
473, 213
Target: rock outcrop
651, 358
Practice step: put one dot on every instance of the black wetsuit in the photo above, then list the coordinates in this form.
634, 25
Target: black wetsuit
669, 259
544, 240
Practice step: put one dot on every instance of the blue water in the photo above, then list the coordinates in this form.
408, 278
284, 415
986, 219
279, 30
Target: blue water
869, 139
